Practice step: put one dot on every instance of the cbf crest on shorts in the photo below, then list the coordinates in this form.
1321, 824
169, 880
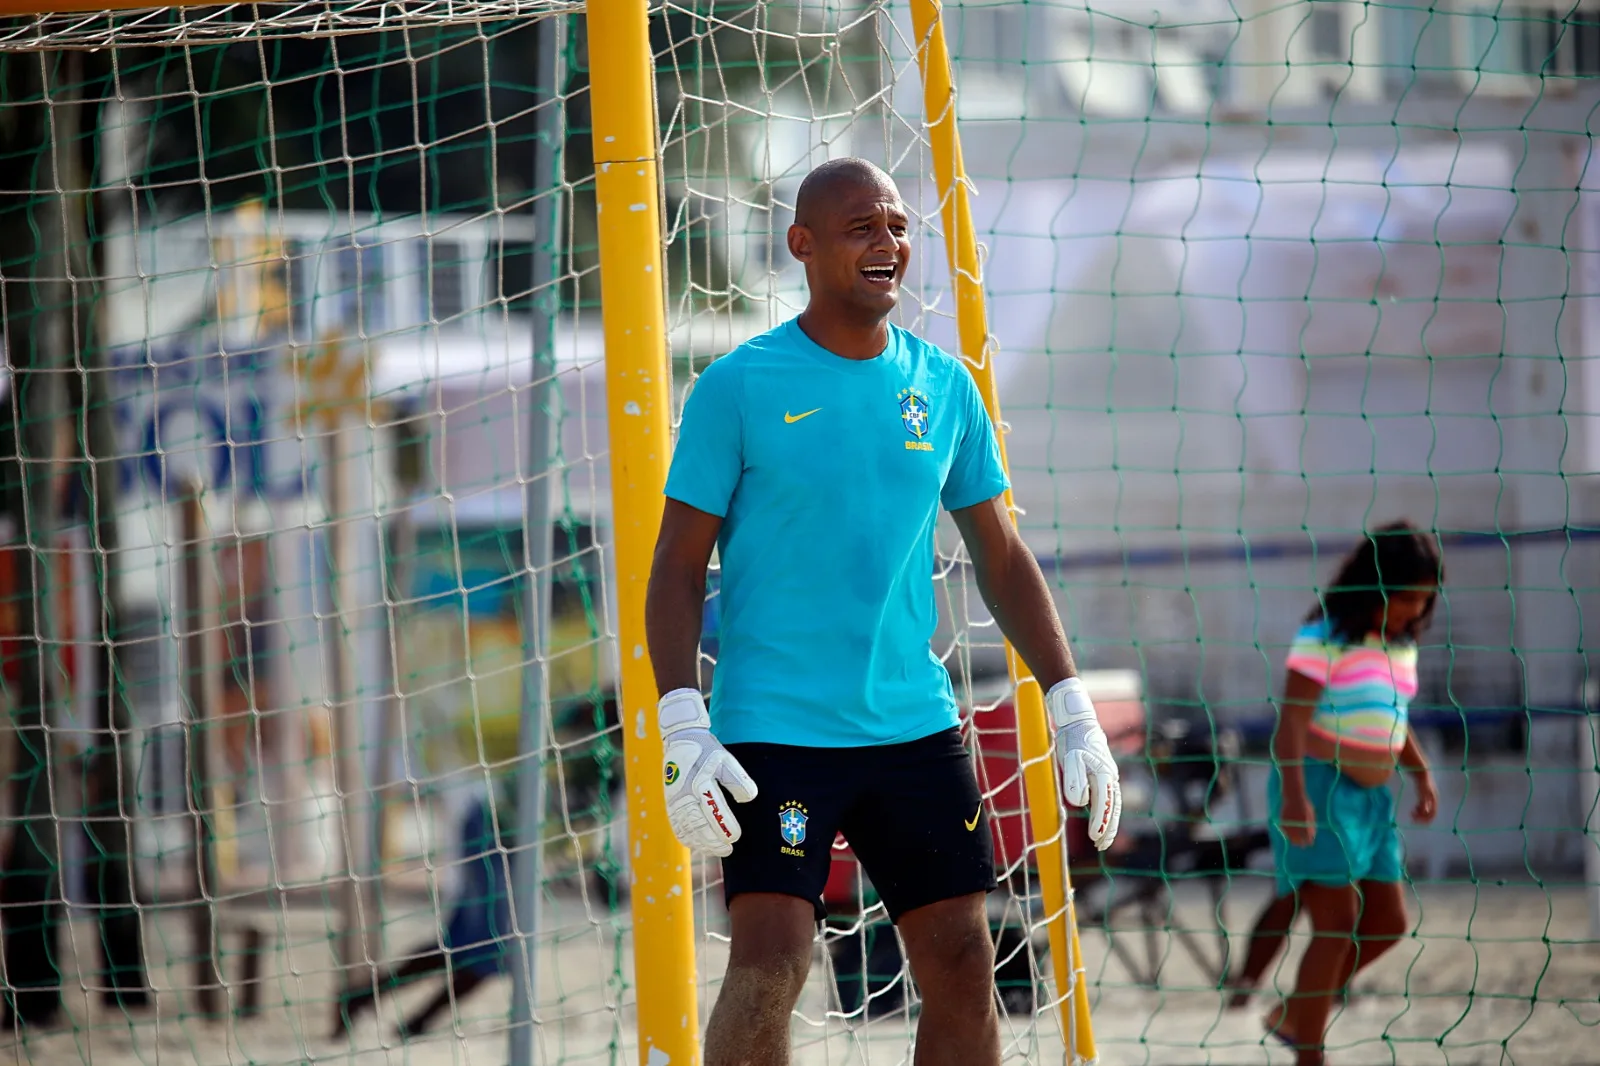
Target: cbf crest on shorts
914, 413
792, 828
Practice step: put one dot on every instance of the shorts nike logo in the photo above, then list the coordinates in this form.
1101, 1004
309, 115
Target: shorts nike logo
975, 816
792, 419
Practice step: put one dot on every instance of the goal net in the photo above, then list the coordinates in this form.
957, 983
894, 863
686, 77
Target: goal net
310, 613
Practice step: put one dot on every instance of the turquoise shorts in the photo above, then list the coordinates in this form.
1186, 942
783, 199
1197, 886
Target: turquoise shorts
1357, 839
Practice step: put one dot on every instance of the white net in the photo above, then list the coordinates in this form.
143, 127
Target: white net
301, 314
325, 300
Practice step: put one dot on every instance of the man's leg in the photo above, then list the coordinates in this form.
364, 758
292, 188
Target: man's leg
773, 882
768, 962
1266, 941
952, 959
922, 834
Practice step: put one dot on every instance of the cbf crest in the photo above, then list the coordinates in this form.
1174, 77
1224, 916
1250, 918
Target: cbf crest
914, 412
792, 828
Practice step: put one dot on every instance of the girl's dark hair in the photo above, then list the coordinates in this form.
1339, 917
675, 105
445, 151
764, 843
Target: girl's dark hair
1392, 557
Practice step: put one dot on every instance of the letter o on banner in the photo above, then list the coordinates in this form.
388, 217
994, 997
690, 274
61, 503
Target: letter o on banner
212, 436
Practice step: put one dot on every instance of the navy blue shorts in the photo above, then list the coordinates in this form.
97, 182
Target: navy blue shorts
912, 813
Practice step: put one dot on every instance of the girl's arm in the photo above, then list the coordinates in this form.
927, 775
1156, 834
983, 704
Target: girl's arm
1301, 695
1411, 757
1414, 762
1297, 818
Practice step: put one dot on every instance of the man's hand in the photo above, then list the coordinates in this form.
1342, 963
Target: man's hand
696, 771
1090, 773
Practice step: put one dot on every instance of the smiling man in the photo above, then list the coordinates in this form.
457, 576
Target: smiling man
816, 458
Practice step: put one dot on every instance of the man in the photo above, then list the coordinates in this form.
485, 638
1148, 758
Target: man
815, 458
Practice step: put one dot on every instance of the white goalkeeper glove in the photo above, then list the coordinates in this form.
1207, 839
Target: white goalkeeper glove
1089, 771
697, 769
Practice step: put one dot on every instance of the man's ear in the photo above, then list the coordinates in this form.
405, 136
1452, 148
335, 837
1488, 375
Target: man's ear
800, 241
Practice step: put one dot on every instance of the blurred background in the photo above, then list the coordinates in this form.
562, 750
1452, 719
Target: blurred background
305, 412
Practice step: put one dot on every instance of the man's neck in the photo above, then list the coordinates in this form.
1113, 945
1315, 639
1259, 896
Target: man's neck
844, 335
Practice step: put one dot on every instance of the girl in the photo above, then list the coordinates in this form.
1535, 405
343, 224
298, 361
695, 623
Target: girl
1342, 731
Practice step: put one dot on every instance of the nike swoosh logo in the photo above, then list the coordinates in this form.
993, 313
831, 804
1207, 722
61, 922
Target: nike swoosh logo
792, 419
975, 815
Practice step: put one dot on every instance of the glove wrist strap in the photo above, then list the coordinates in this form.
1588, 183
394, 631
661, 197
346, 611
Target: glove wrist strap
682, 708
1069, 704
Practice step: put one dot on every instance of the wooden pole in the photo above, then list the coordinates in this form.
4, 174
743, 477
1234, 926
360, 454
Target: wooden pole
204, 689
350, 777
528, 864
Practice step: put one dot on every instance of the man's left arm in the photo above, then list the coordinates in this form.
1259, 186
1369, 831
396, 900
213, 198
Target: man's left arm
1014, 590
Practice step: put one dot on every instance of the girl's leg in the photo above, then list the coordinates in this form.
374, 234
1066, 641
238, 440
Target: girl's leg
1382, 923
1379, 926
1335, 911
1266, 940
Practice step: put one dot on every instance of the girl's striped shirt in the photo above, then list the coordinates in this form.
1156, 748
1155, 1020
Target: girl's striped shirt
1367, 687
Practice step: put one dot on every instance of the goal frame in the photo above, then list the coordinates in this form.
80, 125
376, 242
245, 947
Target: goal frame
628, 191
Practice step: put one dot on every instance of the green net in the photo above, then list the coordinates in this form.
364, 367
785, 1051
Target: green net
306, 434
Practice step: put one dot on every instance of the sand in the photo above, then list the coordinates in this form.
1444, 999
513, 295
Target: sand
1495, 973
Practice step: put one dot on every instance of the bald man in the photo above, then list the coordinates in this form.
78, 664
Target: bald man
816, 458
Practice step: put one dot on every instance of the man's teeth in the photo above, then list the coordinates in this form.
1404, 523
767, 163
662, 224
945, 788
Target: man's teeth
884, 273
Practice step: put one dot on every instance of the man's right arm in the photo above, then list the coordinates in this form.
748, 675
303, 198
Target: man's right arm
706, 466
698, 773
675, 601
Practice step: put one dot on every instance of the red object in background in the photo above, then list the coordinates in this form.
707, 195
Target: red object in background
1118, 699
11, 644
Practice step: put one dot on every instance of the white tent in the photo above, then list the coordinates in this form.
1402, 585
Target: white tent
1177, 353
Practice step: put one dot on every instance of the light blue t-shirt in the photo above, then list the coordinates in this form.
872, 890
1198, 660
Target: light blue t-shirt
828, 474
